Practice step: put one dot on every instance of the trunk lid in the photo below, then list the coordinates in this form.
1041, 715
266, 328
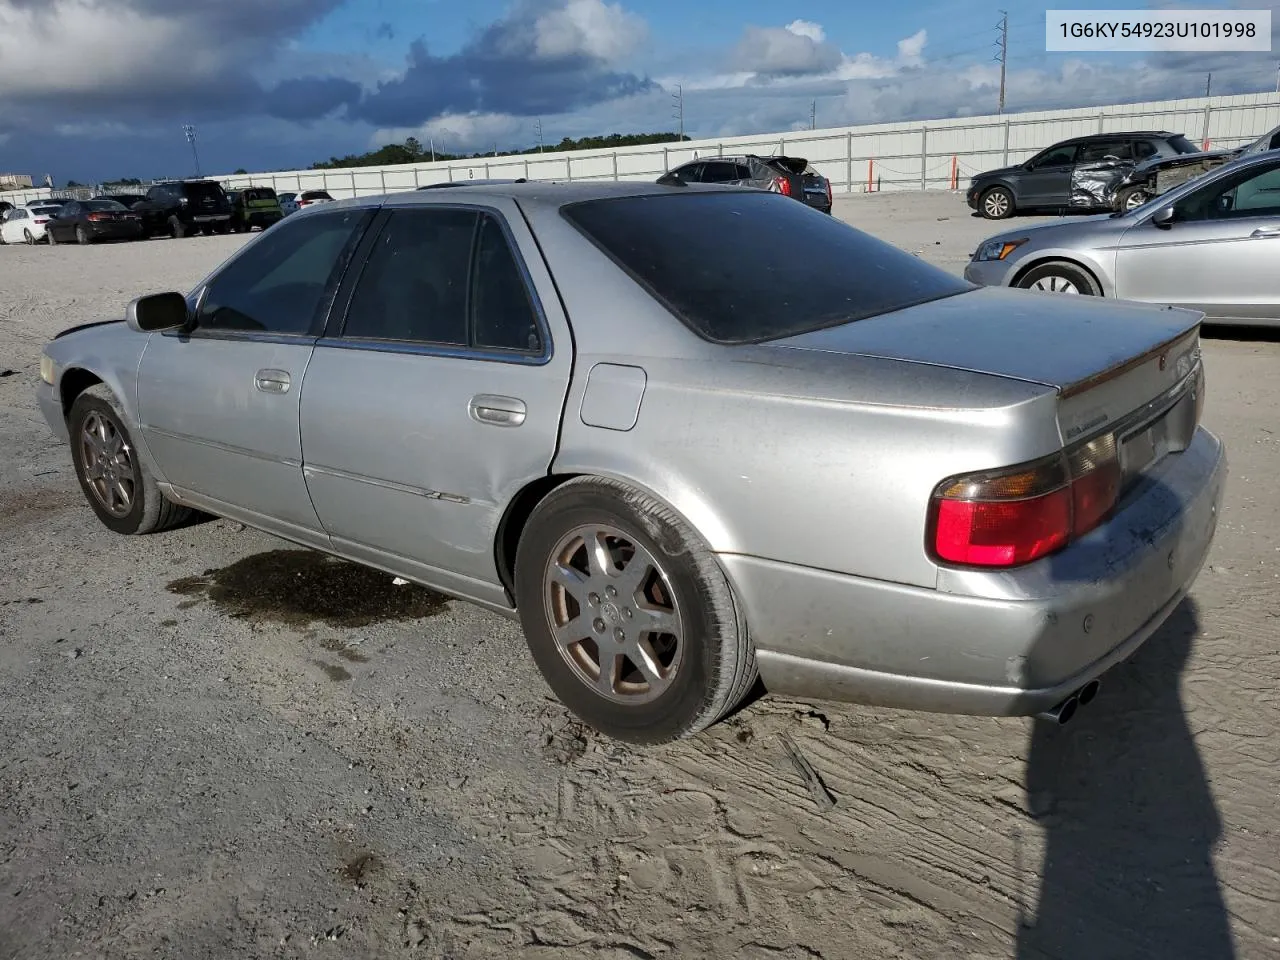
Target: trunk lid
1106, 359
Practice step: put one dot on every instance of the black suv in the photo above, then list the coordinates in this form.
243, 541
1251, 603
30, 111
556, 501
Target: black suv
1078, 173
790, 176
184, 207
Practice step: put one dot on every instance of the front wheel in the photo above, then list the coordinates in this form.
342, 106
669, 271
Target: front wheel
628, 615
117, 485
1060, 278
996, 204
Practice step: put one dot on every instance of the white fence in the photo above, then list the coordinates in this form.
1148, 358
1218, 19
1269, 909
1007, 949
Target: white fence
919, 155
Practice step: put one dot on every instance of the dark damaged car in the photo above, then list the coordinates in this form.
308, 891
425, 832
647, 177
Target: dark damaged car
1081, 173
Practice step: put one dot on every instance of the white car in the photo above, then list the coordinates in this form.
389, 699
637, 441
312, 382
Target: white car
292, 203
26, 224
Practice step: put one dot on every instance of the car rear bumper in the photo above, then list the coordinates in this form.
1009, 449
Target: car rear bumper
1012, 644
116, 231
264, 220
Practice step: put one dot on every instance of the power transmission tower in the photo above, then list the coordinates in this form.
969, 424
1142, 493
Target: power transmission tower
1208, 84
539, 129
190, 132
678, 103
813, 115
1003, 56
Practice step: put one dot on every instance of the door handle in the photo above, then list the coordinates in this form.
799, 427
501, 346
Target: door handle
498, 411
272, 381
1265, 232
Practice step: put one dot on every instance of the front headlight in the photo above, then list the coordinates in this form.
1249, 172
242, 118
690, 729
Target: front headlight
998, 249
47, 369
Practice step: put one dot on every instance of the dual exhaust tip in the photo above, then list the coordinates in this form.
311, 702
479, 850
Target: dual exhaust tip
1064, 712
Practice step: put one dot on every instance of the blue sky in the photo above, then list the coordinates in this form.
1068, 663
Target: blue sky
278, 84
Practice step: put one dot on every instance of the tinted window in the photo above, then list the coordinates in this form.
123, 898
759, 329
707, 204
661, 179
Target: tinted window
690, 172
1101, 149
1248, 193
719, 173
316, 195
414, 285
281, 280
69, 209
1143, 149
103, 205
1182, 145
200, 191
503, 314
748, 267
1057, 157
259, 193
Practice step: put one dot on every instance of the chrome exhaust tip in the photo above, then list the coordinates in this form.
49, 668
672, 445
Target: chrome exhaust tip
1089, 692
1063, 712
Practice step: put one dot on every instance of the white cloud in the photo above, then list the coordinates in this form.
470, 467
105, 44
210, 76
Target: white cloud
603, 31
806, 28
462, 132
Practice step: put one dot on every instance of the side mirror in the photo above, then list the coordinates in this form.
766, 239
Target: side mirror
1163, 218
159, 311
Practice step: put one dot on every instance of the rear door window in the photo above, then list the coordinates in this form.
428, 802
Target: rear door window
1102, 149
748, 267
720, 172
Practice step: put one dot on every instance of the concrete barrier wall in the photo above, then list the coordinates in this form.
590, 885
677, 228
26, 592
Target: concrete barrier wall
917, 155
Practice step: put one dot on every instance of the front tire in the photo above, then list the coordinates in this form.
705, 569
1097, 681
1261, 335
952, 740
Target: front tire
114, 481
996, 203
628, 615
1057, 277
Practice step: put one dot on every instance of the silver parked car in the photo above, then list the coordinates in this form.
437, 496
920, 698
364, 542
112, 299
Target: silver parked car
677, 461
1212, 245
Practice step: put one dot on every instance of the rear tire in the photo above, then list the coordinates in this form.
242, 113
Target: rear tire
1130, 198
82, 237
29, 237
53, 241
661, 685
113, 479
176, 228
1059, 277
996, 203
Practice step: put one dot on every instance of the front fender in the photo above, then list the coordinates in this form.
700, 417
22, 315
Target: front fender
1099, 263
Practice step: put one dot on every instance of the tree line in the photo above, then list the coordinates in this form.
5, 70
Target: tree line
412, 151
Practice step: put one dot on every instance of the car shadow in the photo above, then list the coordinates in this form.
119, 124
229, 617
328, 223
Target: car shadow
1250, 334
1128, 818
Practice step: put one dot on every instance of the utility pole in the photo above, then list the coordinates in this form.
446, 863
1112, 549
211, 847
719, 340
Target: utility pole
678, 103
190, 132
813, 115
1003, 56
1208, 84
432, 141
539, 129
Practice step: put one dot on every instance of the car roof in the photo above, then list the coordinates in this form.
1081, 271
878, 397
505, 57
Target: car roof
1119, 133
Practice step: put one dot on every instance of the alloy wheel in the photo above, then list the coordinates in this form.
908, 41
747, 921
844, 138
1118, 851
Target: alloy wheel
613, 614
1052, 283
996, 205
108, 464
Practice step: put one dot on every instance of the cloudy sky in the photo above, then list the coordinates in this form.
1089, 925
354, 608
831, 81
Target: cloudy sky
92, 89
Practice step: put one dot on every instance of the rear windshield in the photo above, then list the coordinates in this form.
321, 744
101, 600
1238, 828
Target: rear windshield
316, 195
1182, 145
103, 205
744, 267
259, 193
197, 190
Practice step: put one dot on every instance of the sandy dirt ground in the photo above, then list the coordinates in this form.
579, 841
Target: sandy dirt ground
215, 745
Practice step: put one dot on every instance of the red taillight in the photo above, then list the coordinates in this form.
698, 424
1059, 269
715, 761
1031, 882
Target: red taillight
42, 221
98, 216
1011, 517
782, 185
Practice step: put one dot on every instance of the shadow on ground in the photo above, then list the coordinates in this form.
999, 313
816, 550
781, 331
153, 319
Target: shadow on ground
1130, 821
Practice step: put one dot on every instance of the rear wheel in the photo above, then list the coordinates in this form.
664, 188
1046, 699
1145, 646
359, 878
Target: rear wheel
1130, 198
82, 237
628, 615
53, 240
176, 228
29, 237
118, 487
1060, 278
996, 204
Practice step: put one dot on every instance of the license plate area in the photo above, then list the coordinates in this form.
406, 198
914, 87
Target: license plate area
1146, 445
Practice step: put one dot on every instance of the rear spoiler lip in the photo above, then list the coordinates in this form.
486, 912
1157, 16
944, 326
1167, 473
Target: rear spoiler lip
1088, 383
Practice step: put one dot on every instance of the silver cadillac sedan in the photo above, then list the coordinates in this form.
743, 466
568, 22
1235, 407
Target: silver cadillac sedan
687, 435
1211, 244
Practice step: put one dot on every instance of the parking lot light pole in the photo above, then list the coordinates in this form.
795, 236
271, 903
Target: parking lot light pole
190, 132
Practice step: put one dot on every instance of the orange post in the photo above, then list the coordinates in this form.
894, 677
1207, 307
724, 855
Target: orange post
955, 173
871, 171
